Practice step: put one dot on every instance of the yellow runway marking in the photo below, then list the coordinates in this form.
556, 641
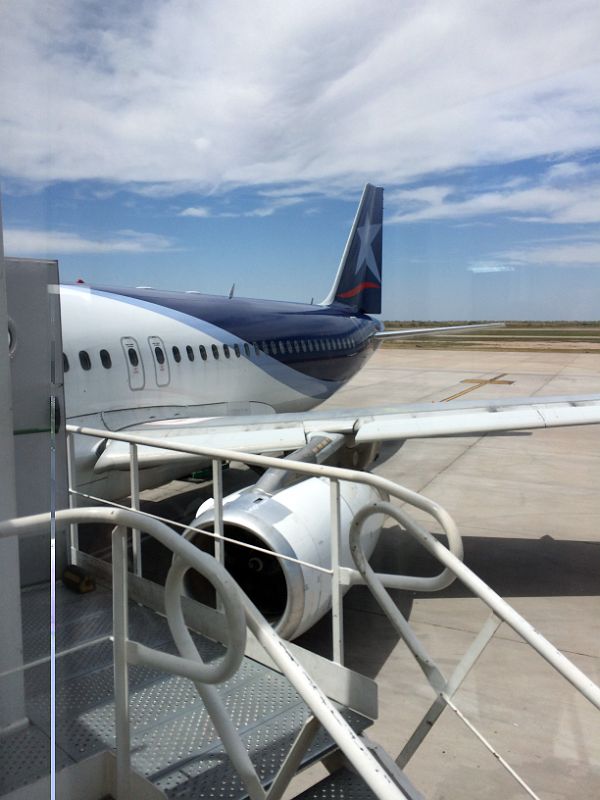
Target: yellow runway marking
478, 382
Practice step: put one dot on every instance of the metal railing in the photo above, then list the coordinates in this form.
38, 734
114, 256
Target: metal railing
341, 576
239, 612
450, 558
501, 612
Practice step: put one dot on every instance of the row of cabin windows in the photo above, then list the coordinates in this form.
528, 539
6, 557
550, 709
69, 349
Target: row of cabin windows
278, 347
86, 362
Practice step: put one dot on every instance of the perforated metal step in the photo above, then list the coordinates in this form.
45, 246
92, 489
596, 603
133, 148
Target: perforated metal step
346, 785
173, 741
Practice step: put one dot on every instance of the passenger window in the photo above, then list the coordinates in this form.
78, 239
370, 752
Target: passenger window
84, 359
215, 351
105, 359
290, 347
296, 345
160, 356
317, 345
176, 354
310, 346
274, 348
303, 346
226, 350
256, 349
190, 352
247, 349
203, 353
236, 349
133, 357
281, 347
65, 363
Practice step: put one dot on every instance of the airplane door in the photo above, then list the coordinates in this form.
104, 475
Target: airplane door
161, 363
135, 365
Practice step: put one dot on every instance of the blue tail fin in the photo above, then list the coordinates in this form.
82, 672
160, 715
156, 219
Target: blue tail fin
358, 280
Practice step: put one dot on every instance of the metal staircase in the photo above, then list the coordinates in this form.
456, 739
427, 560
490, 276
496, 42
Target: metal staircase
188, 717
173, 741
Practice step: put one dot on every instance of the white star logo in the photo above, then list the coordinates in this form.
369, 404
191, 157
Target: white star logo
367, 233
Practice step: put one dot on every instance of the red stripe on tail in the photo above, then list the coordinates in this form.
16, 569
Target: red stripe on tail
358, 289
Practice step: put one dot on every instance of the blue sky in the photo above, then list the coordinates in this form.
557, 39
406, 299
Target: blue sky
193, 145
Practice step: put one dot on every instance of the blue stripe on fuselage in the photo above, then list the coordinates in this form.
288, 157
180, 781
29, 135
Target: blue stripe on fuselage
344, 340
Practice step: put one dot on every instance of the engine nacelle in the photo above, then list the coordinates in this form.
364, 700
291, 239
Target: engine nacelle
294, 522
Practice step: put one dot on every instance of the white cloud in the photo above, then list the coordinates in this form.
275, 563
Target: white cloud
566, 193
490, 266
583, 253
23, 242
201, 212
266, 210
166, 94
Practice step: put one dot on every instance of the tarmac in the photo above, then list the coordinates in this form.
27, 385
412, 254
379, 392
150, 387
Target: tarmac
528, 508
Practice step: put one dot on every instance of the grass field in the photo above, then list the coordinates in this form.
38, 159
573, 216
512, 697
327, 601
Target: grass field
529, 336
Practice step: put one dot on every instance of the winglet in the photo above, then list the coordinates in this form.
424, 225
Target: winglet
358, 280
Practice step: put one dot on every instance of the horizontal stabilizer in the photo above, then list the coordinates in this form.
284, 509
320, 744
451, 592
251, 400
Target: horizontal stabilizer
399, 334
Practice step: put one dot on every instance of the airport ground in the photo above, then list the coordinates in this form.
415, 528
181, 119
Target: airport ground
528, 507
534, 337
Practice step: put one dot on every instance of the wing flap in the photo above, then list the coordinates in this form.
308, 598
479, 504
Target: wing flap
449, 422
257, 439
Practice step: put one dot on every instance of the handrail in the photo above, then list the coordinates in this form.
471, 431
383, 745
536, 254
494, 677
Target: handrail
187, 556
127, 651
499, 606
239, 612
222, 581
408, 582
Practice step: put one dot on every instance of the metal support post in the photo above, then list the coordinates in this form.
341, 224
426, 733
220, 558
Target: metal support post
72, 475
289, 768
217, 474
337, 612
464, 666
136, 536
120, 637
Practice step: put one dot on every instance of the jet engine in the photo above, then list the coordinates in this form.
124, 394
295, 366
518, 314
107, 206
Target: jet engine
293, 521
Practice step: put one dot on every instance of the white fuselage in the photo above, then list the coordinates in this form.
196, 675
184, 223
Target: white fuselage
129, 362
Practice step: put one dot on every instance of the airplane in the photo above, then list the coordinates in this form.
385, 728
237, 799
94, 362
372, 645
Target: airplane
245, 374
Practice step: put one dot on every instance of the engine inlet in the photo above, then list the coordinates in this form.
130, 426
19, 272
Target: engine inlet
258, 574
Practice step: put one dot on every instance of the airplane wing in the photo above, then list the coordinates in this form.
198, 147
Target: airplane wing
432, 331
287, 432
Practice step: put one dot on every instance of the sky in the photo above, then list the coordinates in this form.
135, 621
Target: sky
193, 145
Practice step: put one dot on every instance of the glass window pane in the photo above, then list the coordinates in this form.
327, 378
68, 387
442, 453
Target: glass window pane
84, 359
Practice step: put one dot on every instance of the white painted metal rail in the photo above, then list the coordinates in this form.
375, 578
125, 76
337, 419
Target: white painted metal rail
450, 558
239, 612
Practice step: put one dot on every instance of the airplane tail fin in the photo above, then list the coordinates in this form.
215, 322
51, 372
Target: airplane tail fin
358, 280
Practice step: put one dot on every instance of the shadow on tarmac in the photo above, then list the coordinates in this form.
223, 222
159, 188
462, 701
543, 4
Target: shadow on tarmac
513, 567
